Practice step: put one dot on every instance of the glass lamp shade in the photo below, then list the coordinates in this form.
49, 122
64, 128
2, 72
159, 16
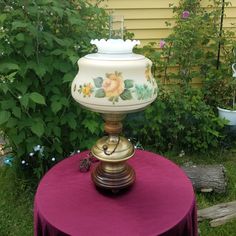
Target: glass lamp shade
114, 80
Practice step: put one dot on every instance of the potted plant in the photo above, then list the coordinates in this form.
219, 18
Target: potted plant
228, 109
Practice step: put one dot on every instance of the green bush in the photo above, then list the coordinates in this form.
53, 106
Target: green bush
178, 120
40, 44
183, 117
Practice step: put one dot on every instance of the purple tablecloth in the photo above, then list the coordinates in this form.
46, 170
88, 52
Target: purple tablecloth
161, 202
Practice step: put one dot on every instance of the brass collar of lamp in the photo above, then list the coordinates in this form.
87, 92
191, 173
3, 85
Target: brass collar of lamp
114, 81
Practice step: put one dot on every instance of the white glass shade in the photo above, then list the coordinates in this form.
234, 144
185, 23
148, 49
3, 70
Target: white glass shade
114, 80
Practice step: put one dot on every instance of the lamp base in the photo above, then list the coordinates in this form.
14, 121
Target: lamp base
113, 176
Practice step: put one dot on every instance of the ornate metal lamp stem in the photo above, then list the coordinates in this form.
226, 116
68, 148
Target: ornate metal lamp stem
113, 173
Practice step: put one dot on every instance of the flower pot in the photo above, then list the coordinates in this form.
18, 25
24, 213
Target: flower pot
229, 115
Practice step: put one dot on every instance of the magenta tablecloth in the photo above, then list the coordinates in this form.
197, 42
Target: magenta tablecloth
161, 202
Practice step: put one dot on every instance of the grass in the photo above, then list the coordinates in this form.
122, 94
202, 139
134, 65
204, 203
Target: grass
228, 159
16, 201
16, 206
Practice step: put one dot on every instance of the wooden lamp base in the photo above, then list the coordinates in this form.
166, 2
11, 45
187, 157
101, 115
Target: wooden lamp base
107, 176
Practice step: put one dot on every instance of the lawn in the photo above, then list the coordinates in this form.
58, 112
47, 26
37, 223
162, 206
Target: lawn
16, 206
228, 159
16, 201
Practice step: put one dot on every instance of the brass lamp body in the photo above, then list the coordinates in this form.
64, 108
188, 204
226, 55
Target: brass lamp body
113, 173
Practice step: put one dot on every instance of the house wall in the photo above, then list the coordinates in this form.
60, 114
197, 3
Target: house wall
146, 19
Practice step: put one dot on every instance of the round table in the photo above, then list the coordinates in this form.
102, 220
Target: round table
161, 202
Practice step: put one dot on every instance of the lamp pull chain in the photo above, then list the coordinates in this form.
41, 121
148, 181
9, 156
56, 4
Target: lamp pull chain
105, 148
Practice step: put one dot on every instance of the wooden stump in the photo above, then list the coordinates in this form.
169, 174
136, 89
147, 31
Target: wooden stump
218, 214
207, 178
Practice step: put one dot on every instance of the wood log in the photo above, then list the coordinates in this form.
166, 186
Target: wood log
207, 178
218, 214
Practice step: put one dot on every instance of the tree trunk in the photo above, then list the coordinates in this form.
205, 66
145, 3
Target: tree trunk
218, 214
207, 178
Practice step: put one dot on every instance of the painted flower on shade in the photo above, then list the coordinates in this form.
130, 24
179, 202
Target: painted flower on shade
143, 91
148, 73
87, 89
185, 14
162, 44
113, 85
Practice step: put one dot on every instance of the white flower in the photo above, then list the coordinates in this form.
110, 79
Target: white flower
31, 154
78, 151
37, 148
182, 153
53, 159
23, 162
19, 97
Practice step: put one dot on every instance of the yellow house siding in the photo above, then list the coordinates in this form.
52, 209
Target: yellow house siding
146, 19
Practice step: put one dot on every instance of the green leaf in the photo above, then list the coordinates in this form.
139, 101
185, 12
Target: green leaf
3, 17
98, 82
8, 104
29, 49
40, 70
129, 83
126, 95
12, 122
57, 131
19, 24
68, 77
21, 88
37, 128
100, 93
8, 66
72, 123
56, 106
58, 10
25, 100
91, 125
4, 88
16, 112
4, 116
57, 52
20, 37
37, 98
61, 42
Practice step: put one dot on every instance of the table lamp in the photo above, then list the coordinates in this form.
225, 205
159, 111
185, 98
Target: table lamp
114, 81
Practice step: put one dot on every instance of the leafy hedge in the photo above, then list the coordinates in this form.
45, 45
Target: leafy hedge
40, 44
178, 120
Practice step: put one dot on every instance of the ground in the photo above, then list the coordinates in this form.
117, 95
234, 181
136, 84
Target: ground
16, 199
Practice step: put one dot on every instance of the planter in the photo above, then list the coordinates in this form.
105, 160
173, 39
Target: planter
229, 115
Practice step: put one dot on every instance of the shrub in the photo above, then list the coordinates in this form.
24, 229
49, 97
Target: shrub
178, 120
183, 117
40, 44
